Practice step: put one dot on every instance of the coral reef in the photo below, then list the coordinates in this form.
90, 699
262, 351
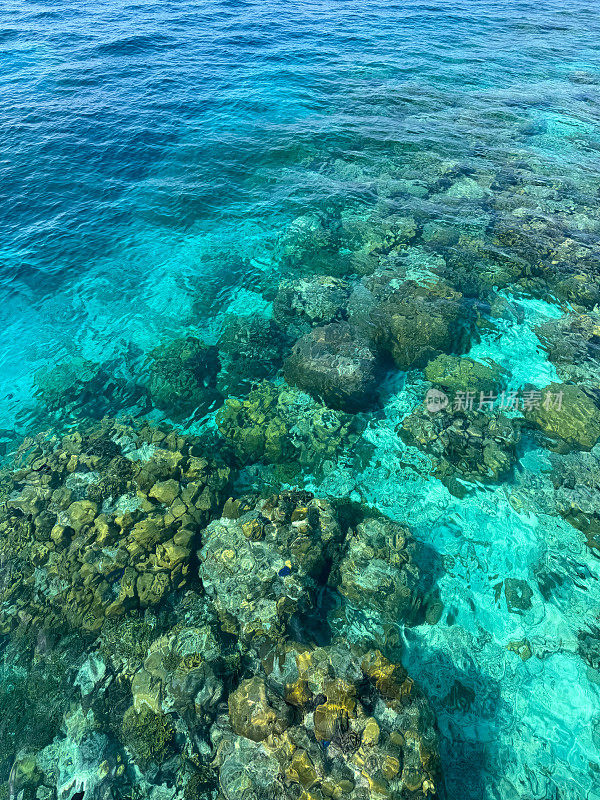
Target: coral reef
208, 691
100, 521
461, 374
82, 387
182, 377
334, 364
261, 561
279, 424
410, 322
573, 345
327, 722
567, 415
576, 479
310, 302
250, 349
377, 570
470, 445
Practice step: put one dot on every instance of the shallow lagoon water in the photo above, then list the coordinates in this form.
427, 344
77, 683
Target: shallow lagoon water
156, 160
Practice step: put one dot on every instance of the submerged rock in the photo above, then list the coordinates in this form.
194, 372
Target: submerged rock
576, 479
181, 673
554, 265
370, 237
279, 424
334, 364
83, 760
309, 244
183, 377
148, 735
377, 570
102, 521
573, 346
461, 374
260, 564
410, 322
471, 445
309, 302
250, 350
568, 415
85, 388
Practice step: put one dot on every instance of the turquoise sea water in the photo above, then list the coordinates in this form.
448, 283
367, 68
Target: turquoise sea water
165, 166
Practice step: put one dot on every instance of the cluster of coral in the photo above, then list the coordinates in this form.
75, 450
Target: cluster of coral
248, 648
100, 521
190, 621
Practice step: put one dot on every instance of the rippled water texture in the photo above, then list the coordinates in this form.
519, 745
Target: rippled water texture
165, 165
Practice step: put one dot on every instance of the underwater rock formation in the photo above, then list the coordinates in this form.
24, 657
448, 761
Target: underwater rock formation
100, 521
461, 374
250, 349
182, 673
377, 570
280, 424
568, 415
554, 264
470, 445
410, 322
261, 561
334, 364
327, 722
183, 377
84, 760
309, 245
369, 237
37, 689
576, 479
310, 302
205, 691
573, 346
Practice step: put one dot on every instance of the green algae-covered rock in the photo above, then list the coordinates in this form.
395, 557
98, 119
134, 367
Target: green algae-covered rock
408, 321
332, 363
471, 445
281, 425
418, 322
461, 374
75, 560
183, 376
256, 716
255, 428
568, 415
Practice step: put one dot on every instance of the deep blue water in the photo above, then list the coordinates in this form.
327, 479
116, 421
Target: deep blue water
153, 155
